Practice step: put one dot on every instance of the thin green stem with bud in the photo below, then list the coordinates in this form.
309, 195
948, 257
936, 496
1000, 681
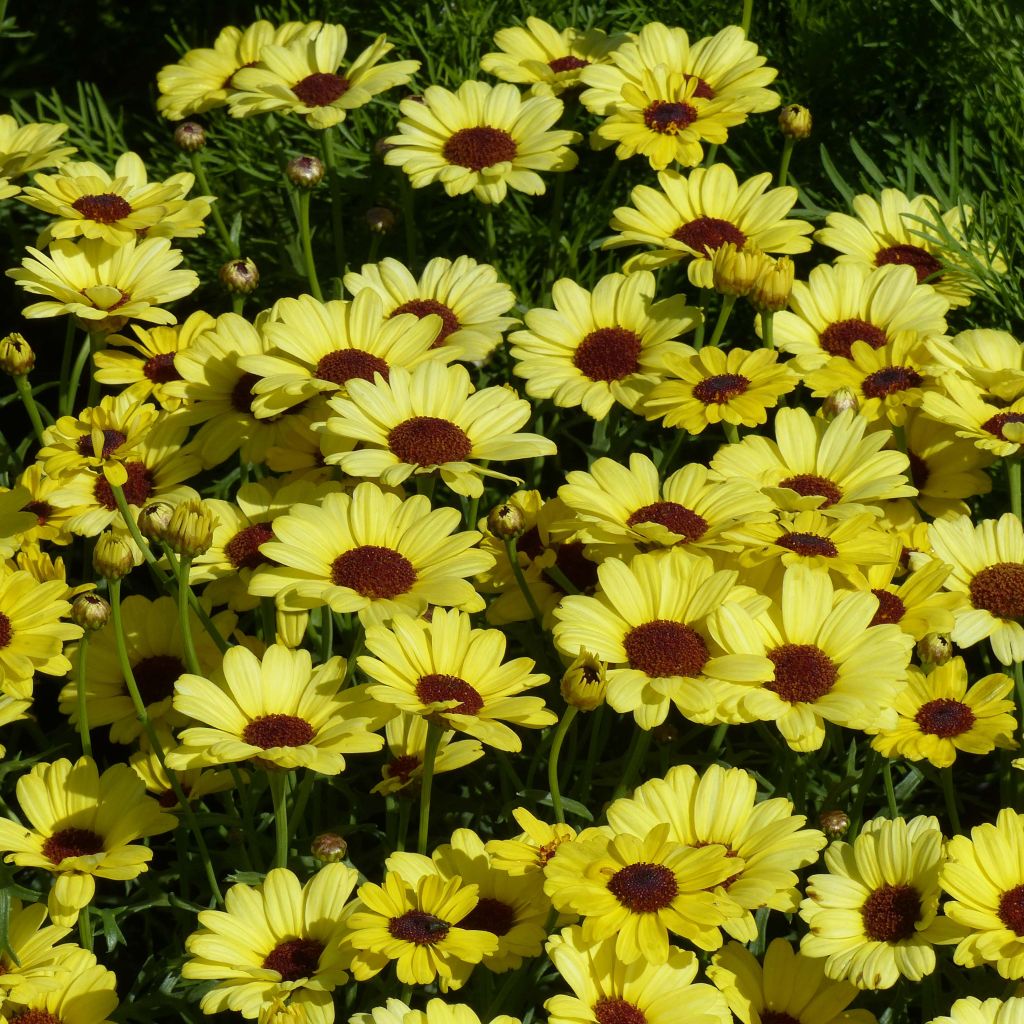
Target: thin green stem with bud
768, 329
728, 302
748, 12
434, 733
68, 405
29, 401
307, 245
83, 706
199, 170
787, 153
556, 748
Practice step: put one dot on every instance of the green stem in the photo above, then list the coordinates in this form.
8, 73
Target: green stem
731, 431
408, 222
326, 633
337, 224
184, 626
768, 329
950, 795
702, 302
307, 244
634, 758
426, 784
64, 403
197, 608
76, 377
517, 571
867, 777
890, 792
83, 708
404, 811
85, 929
557, 576
278, 791
668, 454
28, 400
556, 748
490, 239
97, 343
1013, 476
748, 11
787, 152
302, 792
728, 301
199, 170
355, 649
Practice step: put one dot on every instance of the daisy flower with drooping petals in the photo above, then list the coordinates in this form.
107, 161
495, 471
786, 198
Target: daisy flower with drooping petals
276, 946
692, 215
902, 230
875, 914
607, 991
829, 663
599, 347
992, 425
80, 991
456, 675
32, 957
917, 604
654, 623
840, 305
992, 360
988, 567
939, 715
278, 709
482, 139
50, 526
102, 284
406, 736
466, 295
721, 808
812, 464
788, 989
972, 1010
716, 386
546, 59
28, 147
534, 847
371, 552
306, 76
419, 926
16, 518
196, 783
640, 890
82, 828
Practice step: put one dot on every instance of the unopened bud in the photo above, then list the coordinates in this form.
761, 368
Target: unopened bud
112, 557
585, 682
382, 146
735, 270
16, 355
935, 649
795, 121
190, 531
305, 171
506, 521
329, 848
190, 136
839, 401
380, 219
835, 824
291, 627
154, 520
773, 286
90, 611
240, 276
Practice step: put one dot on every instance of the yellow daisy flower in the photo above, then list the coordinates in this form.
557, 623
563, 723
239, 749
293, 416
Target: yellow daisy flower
440, 1012
606, 991
939, 715
719, 386
546, 59
996, 428
787, 989
306, 76
82, 827
466, 295
721, 808
80, 992
988, 567
196, 783
50, 526
972, 1010
276, 946
371, 552
917, 604
16, 518
599, 347
28, 147
7, 190
278, 709
535, 846
12, 709
44, 568
875, 914
482, 139
422, 668
406, 736
692, 215
991, 360
37, 959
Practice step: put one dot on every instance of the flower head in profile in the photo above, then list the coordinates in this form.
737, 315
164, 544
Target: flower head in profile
28, 147
406, 736
972, 1010
33, 957
534, 847
79, 991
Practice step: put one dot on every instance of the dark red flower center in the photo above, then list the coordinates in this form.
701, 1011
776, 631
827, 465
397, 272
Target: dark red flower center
104, 209
569, 63
429, 441
664, 648
373, 572
673, 516
156, 675
945, 717
837, 339
890, 913
999, 589
160, 368
923, 262
891, 608
890, 380
919, 471
669, 118
418, 927
777, 1017
347, 364
112, 440
490, 915
1011, 909
477, 148
994, 424
618, 1011
426, 307
808, 485
644, 888
609, 353
803, 673
703, 89
6, 631
703, 233
808, 544
243, 550
72, 842
278, 731
138, 488
295, 959
719, 389
402, 767
35, 1017
437, 687
321, 89
42, 510
241, 393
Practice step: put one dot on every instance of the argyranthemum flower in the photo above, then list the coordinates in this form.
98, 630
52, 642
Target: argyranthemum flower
39, 958
692, 215
195, 783
118, 207
534, 847
599, 347
830, 663
431, 420
546, 59
607, 991
992, 360
371, 552
972, 1010
716, 386
455, 674
917, 604
420, 926
306, 76
439, 1012
996, 428
466, 295
939, 715
902, 230
276, 946
721, 807
105, 285
840, 305
28, 147
50, 526
875, 914
482, 139
988, 566
653, 622
789, 988
640, 890
406, 736
16, 518
80, 991
812, 464
278, 709
82, 827
12, 709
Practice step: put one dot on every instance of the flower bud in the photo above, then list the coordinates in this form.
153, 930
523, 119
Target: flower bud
665, 733
305, 171
380, 219
329, 848
240, 276
112, 557
190, 531
90, 611
382, 146
506, 521
773, 286
291, 627
838, 402
585, 682
795, 121
935, 649
154, 519
735, 270
835, 824
16, 355
190, 136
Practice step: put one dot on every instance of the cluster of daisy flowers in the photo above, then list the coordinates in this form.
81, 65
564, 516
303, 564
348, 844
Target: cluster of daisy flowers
354, 531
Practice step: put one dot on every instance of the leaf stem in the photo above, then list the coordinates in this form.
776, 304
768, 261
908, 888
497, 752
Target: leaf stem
556, 748
307, 245
29, 401
426, 783
279, 794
